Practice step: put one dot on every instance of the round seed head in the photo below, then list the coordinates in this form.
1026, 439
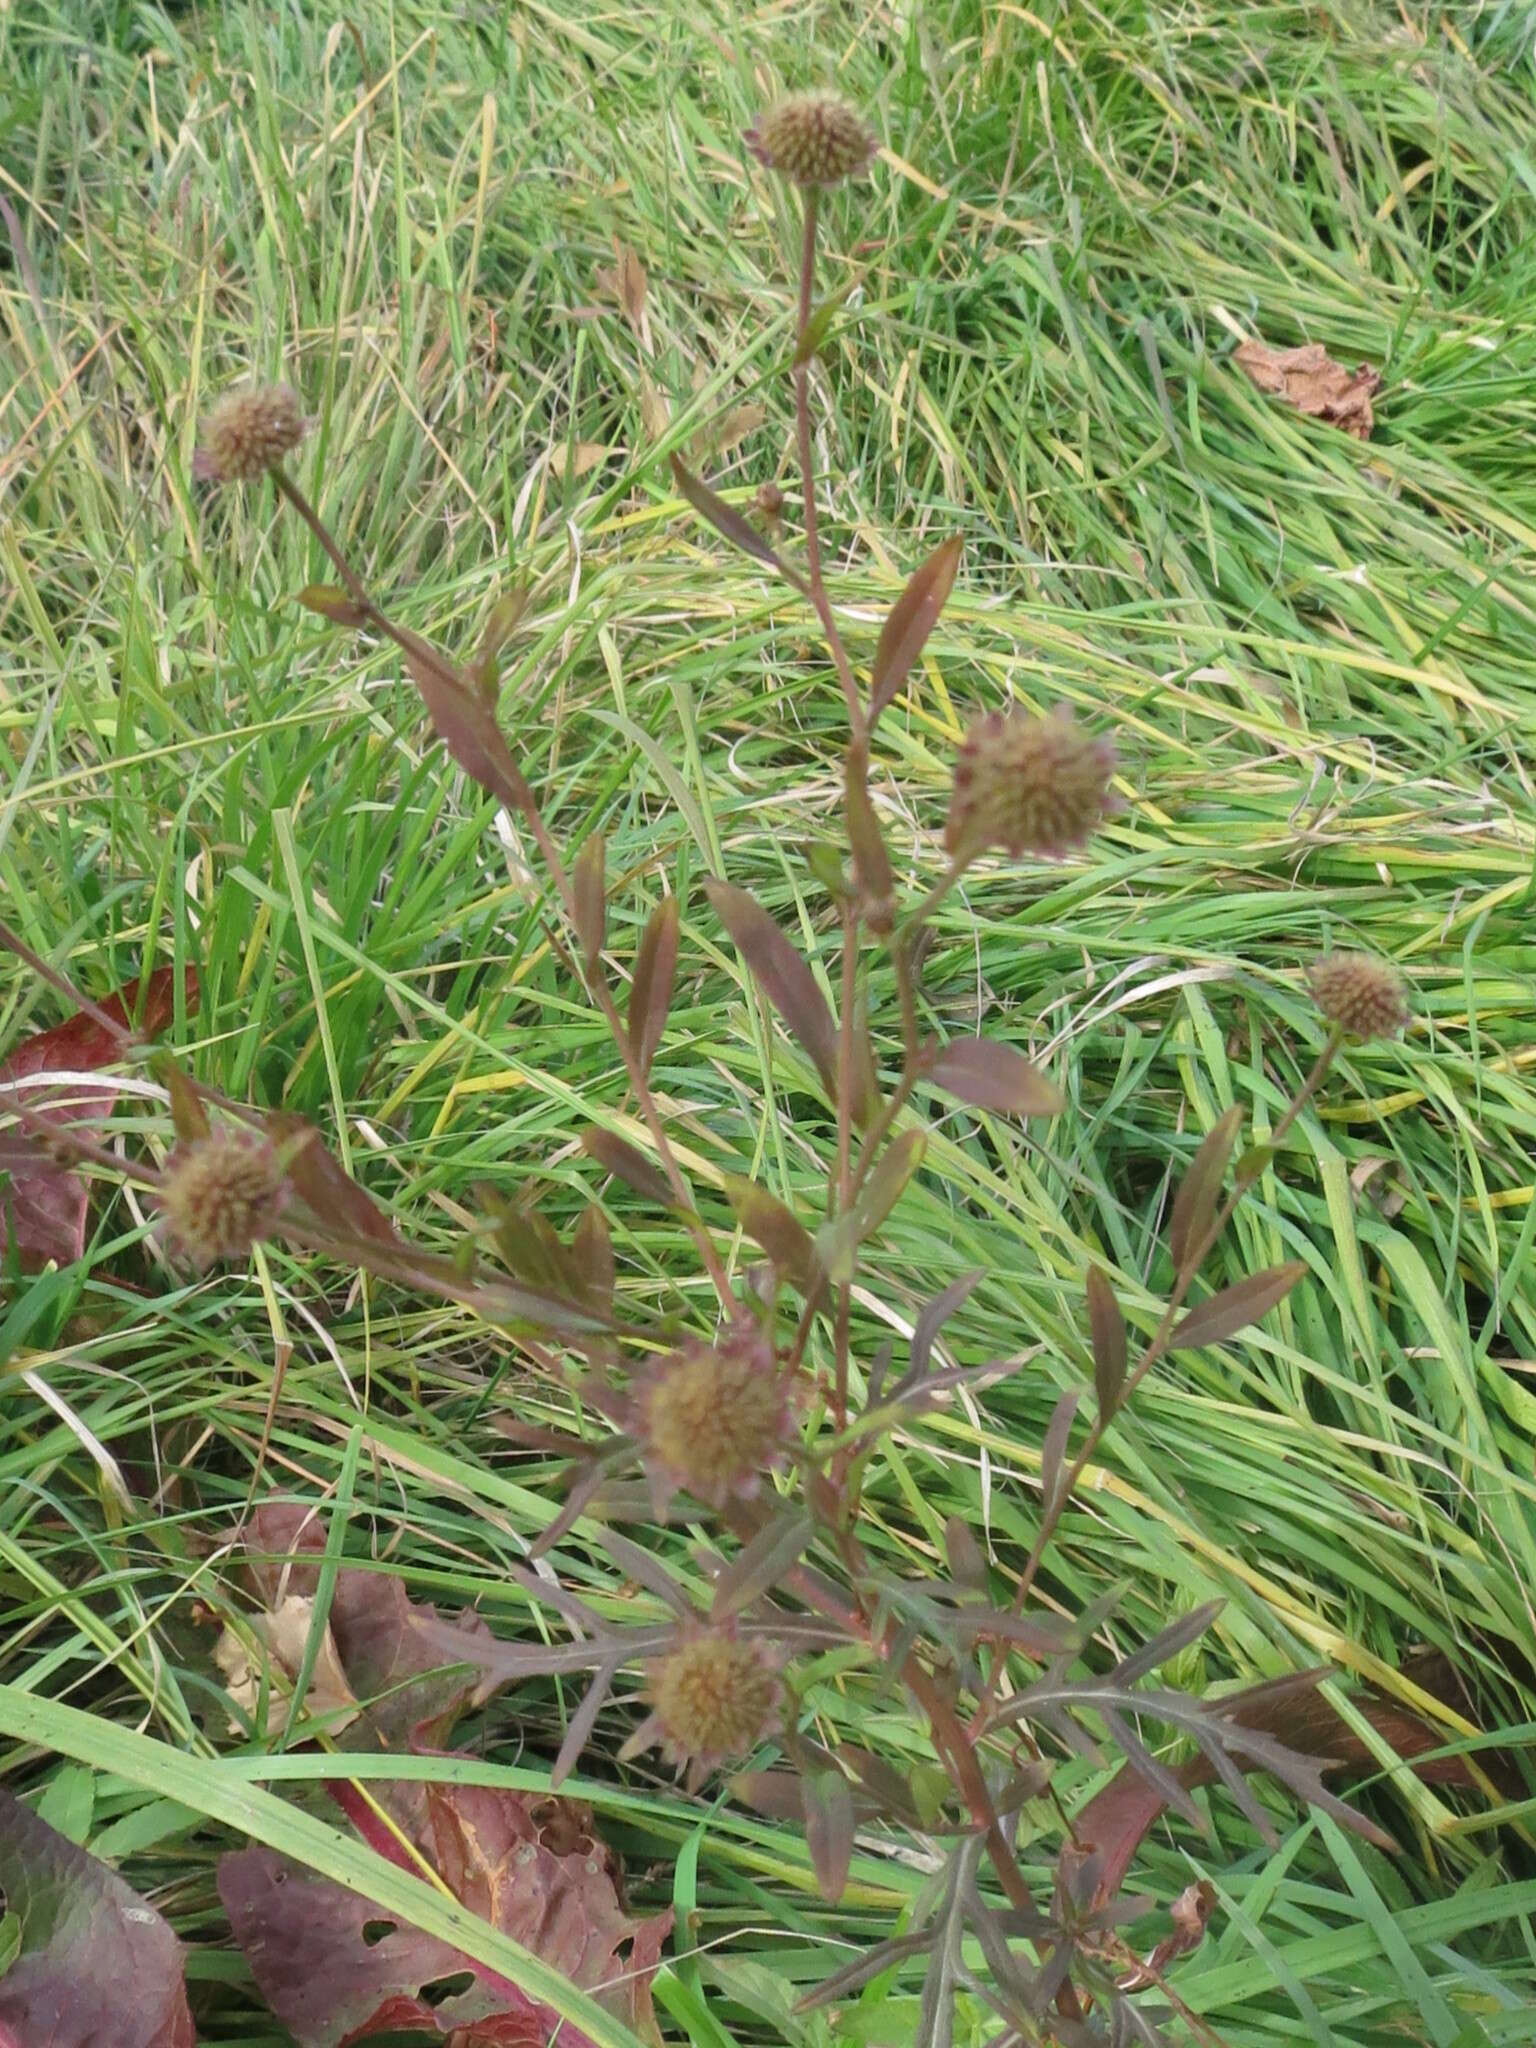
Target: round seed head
712, 1697
1028, 785
1361, 994
221, 1194
812, 138
249, 431
713, 1418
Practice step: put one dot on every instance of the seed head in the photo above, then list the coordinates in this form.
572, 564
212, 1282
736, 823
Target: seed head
712, 1697
812, 138
714, 1418
1364, 995
248, 432
1029, 785
222, 1193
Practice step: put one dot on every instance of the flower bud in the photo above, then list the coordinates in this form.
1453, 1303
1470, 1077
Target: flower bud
248, 432
1028, 785
812, 138
1362, 995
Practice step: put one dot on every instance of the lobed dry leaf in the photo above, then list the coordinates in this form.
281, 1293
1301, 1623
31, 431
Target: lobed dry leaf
1313, 382
284, 1633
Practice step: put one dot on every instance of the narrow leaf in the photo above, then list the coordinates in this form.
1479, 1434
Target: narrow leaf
934, 1315
776, 1794
776, 1228
881, 1192
1054, 1449
762, 1562
912, 618
650, 995
333, 603
725, 519
323, 1184
589, 887
781, 974
188, 1116
465, 723
871, 862
628, 1164
991, 1076
591, 1259
829, 1830
967, 1565
1208, 1322
1195, 1203
820, 321
1107, 1327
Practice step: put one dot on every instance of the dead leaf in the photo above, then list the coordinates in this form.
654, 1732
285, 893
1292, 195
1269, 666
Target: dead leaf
626, 282
43, 1199
1191, 1914
335, 1971
579, 459
284, 1634
726, 433
655, 409
89, 1947
411, 1670
1313, 382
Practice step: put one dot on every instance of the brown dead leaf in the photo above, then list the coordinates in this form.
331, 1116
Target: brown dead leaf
1191, 1914
726, 433
626, 282
1313, 382
579, 460
655, 411
284, 1633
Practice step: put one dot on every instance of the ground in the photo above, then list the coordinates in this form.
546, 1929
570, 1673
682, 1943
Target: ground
1316, 653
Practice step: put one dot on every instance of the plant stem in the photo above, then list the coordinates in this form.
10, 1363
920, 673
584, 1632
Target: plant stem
816, 589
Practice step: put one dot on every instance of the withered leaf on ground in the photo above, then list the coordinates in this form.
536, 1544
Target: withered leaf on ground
1313, 382
89, 1946
335, 1971
42, 1200
283, 1635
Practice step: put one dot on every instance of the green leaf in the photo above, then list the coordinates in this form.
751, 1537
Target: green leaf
333, 603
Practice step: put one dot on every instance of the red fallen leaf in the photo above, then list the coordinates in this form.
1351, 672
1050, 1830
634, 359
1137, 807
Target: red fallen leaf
414, 1670
89, 1946
335, 1971
1115, 1821
45, 1202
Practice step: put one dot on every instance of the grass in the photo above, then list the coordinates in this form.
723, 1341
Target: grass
1318, 655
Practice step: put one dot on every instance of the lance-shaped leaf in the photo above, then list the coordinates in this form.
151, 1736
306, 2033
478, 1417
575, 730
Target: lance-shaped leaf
1195, 1204
871, 862
991, 1076
465, 723
1106, 1326
333, 603
776, 1228
85, 1947
838, 1240
1208, 1322
650, 995
763, 1561
781, 974
589, 889
724, 518
626, 1162
323, 1184
828, 1829
912, 618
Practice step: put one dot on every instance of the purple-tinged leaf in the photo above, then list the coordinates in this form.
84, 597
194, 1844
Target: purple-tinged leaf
618, 1157
781, 974
724, 518
323, 1184
465, 723
775, 1794
762, 1562
776, 1229
333, 603
582, 1722
97, 1967
589, 889
828, 1830
1244, 1302
967, 1563
992, 1076
650, 995
1054, 1450
1106, 1325
591, 1259
932, 1318
888, 1181
1195, 1204
912, 618
871, 862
